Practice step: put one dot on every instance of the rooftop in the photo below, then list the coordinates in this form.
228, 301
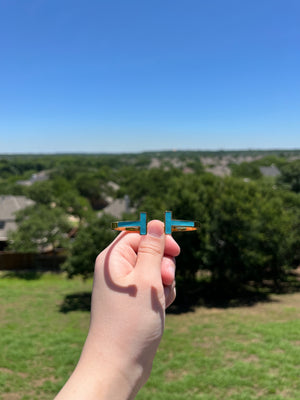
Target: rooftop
9, 205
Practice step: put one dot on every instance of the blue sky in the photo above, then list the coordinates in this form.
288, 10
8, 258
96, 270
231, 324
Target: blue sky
130, 76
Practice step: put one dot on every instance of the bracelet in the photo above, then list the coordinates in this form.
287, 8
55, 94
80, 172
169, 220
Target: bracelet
171, 225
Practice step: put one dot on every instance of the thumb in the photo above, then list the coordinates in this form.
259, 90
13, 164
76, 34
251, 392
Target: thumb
151, 250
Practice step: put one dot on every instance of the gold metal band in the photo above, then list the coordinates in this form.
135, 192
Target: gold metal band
116, 227
186, 228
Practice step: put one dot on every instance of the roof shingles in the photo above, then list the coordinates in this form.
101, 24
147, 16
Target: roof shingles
9, 205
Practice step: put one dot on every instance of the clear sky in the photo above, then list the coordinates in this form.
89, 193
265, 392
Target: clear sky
138, 75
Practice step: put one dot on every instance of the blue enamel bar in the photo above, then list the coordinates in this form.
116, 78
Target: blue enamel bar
133, 225
177, 224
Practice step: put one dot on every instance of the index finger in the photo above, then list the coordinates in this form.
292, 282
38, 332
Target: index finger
133, 239
172, 248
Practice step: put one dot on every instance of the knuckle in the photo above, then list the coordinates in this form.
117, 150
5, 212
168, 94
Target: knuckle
152, 248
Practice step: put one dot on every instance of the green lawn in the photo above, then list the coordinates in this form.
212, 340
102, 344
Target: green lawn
211, 354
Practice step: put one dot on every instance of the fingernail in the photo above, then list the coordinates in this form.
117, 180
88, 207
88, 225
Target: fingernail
155, 230
171, 269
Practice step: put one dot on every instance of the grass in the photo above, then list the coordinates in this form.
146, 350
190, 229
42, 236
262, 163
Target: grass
239, 353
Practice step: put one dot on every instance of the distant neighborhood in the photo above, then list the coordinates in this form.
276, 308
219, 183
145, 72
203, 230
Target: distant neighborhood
219, 166
71, 192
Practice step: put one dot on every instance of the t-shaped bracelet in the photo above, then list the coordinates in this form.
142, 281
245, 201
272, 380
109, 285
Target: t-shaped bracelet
171, 225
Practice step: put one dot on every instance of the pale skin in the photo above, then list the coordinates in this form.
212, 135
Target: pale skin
134, 282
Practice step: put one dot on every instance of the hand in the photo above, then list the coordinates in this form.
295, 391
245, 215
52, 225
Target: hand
133, 284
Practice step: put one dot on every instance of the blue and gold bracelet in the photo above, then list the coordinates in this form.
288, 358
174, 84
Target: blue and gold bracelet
171, 225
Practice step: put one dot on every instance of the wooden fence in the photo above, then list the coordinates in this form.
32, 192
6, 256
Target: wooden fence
10, 261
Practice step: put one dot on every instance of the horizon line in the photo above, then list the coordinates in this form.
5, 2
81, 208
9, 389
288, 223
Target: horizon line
151, 151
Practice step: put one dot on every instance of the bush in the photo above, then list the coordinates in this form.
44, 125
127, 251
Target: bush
90, 240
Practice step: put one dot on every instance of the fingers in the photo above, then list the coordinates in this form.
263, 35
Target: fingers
168, 267
133, 239
170, 294
127, 245
171, 247
152, 256
151, 250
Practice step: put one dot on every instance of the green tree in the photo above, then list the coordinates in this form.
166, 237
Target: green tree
39, 227
91, 238
41, 192
249, 234
89, 186
67, 197
249, 230
290, 176
246, 170
140, 184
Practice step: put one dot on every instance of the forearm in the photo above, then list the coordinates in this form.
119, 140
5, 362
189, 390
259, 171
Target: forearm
97, 378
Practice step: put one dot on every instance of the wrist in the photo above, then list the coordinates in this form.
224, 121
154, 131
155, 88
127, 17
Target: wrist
105, 380
102, 374
114, 376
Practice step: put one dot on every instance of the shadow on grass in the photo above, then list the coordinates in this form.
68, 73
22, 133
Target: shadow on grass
206, 294
28, 275
76, 302
191, 294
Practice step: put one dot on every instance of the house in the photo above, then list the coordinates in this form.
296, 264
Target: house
9, 205
118, 207
272, 170
37, 177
